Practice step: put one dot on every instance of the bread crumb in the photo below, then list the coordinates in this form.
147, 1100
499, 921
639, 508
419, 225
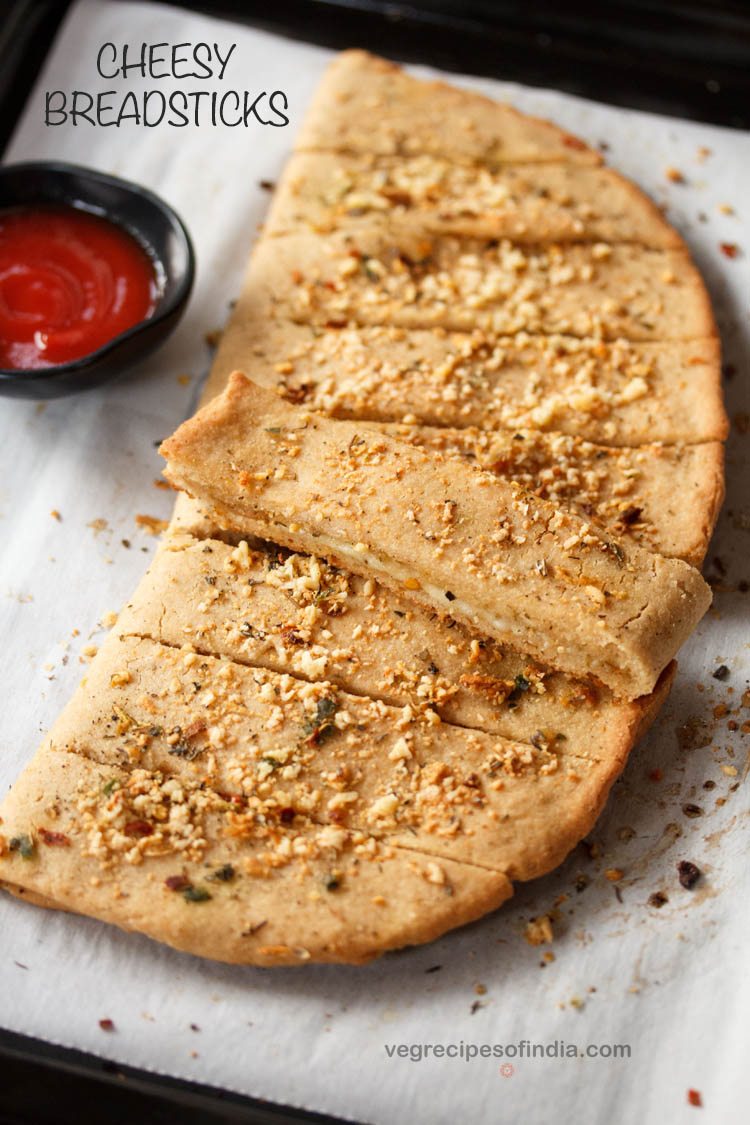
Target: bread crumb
152, 525
539, 930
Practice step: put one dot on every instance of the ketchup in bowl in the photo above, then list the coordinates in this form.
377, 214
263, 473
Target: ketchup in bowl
69, 283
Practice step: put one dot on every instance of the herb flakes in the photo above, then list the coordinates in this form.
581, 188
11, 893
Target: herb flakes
24, 845
322, 725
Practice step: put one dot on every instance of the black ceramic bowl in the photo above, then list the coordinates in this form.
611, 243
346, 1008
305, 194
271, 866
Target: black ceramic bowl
143, 215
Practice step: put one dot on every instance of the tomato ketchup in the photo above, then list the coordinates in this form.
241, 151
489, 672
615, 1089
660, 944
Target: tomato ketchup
69, 283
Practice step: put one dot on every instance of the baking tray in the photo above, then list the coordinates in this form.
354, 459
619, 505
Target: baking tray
681, 58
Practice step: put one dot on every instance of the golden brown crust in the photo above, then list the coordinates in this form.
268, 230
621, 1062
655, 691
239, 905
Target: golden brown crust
114, 818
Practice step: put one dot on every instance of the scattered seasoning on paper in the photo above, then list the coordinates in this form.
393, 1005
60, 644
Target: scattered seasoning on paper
152, 525
107, 1025
539, 930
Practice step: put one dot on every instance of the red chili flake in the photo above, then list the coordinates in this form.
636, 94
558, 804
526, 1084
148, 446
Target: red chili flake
688, 874
54, 839
656, 775
694, 1098
291, 636
297, 277
177, 882
196, 727
230, 798
631, 516
107, 1025
729, 249
138, 828
574, 142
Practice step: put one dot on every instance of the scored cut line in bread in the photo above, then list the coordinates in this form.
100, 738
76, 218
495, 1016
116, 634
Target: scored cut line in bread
258, 605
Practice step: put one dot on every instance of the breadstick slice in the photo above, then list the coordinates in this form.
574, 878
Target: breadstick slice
459, 540
536, 203
367, 104
70, 832
404, 278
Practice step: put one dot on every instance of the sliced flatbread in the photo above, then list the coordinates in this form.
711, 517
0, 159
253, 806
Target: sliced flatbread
535, 203
628, 491
273, 761
460, 540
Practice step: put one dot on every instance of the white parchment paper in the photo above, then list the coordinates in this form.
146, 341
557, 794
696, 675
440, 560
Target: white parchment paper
672, 983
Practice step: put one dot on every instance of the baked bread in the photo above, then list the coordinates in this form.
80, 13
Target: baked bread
537, 203
127, 818
365, 104
459, 540
622, 393
406, 279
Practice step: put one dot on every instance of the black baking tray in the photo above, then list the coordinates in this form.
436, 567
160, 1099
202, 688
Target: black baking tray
679, 57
